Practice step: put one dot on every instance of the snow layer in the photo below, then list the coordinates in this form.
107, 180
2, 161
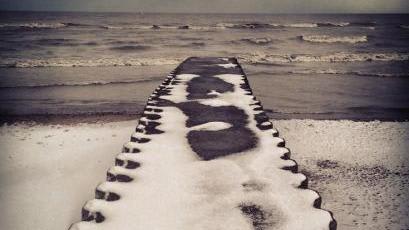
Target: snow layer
174, 189
39, 170
47, 172
361, 169
212, 126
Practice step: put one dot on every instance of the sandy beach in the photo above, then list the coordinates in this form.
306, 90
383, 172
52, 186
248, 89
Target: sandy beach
74, 84
360, 169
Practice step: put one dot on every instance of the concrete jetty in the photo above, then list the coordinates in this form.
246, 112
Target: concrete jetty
205, 156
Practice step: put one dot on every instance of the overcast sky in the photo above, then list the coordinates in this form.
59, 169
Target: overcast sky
214, 6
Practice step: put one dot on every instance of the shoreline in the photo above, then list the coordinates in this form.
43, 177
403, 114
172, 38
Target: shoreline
67, 119
74, 119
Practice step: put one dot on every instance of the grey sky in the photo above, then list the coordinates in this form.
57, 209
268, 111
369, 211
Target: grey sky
217, 6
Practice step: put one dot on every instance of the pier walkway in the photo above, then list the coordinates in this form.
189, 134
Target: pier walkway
204, 156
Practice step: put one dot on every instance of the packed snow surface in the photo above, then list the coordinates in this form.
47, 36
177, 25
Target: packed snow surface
39, 169
175, 189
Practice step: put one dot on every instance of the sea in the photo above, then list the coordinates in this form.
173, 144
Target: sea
310, 66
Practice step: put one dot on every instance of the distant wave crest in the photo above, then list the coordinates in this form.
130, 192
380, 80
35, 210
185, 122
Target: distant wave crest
333, 24
342, 72
260, 58
257, 25
33, 25
334, 39
74, 62
258, 41
300, 25
222, 25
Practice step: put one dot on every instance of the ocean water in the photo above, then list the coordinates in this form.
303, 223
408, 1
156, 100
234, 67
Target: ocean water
299, 66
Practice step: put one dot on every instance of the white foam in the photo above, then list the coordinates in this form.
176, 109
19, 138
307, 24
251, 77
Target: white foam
343, 72
252, 26
302, 25
334, 39
341, 24
127, 27
89, 62
223, 25
262, 58
259, 41
319, 71
33, 25
206, 28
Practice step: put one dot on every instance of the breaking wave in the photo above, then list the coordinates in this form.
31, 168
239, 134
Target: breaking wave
341, 72
334, 72
257, 25
256, 58
333, 24
258, 41
32, 25
222, 25
159, 27
337, 57
74, 62
333, 39
299, 25
126, 27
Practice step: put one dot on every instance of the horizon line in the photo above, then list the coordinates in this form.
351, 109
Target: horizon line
159, 12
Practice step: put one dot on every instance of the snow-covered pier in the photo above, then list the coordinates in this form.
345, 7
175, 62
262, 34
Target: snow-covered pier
205, 156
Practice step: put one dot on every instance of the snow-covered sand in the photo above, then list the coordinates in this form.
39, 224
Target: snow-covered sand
47, 172
361, 169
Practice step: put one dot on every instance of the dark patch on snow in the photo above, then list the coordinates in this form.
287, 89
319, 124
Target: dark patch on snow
327, 164
199, 87
260, 219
